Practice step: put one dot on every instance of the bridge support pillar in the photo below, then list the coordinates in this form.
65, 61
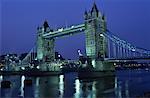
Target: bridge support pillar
40, 41
103, 66
95, 27
45, 49
45, 46
49, 52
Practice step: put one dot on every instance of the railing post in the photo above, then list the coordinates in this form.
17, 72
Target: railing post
123, 51
114, 50
109, 55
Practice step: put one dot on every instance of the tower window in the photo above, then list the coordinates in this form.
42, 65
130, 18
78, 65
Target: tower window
92, 42
48, 43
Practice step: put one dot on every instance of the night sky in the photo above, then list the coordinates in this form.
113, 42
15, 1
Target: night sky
19, 19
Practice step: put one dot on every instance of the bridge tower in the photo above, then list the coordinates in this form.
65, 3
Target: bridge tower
45, 46
95, 26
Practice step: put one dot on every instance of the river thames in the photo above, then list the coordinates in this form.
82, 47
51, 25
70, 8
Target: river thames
125, 84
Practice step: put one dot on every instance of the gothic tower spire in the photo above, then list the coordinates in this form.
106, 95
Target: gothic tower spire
94, 11
45, 25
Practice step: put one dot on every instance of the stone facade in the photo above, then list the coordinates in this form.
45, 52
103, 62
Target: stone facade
45, 47
95, 26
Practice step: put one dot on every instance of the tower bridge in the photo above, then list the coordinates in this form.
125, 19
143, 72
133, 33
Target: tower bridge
101, 44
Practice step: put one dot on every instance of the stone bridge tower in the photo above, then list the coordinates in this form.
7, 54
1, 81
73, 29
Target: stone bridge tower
45, 46
95, 27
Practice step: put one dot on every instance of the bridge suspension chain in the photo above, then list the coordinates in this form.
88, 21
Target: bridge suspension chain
123, 49
32, 55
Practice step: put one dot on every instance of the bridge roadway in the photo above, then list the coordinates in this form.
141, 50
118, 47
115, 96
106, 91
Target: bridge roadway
66, 31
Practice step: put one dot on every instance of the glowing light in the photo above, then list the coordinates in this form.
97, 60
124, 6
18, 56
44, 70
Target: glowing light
101, 35
38, 67
61, 78
61, 66
22, 85
94, 63
22, 68
60, 29
77, 89
59, 55
79, 52
72, 26
133, 49
1, 78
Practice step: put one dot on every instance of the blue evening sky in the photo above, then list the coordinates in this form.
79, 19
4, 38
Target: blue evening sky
19, 19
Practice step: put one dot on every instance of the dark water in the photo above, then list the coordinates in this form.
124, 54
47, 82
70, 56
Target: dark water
127, 83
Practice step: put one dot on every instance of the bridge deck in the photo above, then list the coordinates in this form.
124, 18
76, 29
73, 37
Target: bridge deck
67, 31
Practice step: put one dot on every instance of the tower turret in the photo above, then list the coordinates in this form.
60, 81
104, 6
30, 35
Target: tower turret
94, 11
85, 15
104, 21
46, 27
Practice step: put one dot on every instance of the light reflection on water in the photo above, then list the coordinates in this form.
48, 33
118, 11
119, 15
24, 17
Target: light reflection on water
126, 84
61, 85
22, 86
36, 91
1, 78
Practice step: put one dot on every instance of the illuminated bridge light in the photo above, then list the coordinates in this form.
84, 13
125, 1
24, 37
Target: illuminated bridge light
61, 29
72, 26
133, 49
101, 35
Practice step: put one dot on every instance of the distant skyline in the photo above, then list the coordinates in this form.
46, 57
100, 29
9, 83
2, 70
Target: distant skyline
128, 19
